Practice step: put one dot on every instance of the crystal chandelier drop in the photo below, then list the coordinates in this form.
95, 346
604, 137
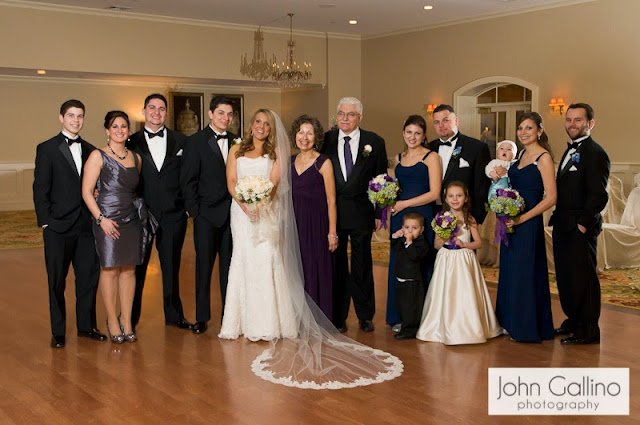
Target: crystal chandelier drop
259, 68
290, 74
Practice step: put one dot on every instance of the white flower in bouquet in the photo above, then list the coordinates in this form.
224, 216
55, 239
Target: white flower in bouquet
253, 189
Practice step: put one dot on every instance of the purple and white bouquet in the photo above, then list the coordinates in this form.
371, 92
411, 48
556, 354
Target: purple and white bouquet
507, 204
383, 192
254, 191
445, 225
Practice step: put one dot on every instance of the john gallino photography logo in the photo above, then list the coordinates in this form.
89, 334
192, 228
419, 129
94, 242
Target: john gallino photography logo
558, 391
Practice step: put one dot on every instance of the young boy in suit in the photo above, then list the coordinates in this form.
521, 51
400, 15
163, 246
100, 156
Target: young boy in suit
411, 248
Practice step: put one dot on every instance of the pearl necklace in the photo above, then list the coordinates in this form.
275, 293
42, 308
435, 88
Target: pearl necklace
126, 152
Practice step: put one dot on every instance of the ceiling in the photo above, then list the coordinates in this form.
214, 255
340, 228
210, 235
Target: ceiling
374, 17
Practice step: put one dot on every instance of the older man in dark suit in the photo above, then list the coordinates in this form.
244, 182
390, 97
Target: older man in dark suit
204, 184
357, 156
582, 182
66, 224
463, 159
161, 150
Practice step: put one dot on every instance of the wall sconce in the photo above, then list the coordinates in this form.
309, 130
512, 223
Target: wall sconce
557, 105
430, 107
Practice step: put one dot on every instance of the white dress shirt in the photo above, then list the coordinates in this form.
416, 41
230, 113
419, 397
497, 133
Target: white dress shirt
571, 152
157, 146
354, 144
222, 144
76, 151
445, 152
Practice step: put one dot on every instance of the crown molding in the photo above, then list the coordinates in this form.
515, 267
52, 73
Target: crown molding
560, 3
167, 19
172, 86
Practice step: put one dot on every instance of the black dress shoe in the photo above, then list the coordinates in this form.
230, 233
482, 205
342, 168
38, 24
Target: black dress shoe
93, 334
574, 340
181, 324
407, 335
562, 331
57, 341
366, 325
199, 328
342, 328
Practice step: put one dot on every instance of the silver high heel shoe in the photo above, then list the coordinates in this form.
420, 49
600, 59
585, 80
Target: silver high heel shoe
132, 337
116, 339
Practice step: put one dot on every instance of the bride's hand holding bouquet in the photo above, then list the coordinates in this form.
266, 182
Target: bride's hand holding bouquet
254, 194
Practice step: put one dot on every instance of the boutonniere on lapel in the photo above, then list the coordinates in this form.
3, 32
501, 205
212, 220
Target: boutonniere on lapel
456, 152
575, 158
366, 151
236, 141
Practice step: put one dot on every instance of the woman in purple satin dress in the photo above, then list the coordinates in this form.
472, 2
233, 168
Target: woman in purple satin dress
314, 203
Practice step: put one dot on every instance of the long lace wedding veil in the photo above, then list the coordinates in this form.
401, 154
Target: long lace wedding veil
319, 357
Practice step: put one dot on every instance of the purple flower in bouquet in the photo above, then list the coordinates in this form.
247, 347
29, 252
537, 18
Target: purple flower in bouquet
383, 192
507, 204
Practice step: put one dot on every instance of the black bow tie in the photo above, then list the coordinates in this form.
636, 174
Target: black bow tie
573, 145
448, 142
72, 141
159, 133
221, 136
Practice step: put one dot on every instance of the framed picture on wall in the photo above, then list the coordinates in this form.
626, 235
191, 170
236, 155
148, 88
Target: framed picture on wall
237, 102
186, 112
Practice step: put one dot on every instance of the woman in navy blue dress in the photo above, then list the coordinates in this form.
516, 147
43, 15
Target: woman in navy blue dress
523, 305
419, 174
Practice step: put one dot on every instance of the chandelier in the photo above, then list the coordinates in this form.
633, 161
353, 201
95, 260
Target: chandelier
290, 75
259, 68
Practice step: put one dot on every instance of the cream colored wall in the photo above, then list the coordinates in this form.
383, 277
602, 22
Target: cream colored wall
123, 43
585, 52
344, 69
311, 102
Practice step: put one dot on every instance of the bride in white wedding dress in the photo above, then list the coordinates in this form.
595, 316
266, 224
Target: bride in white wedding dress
265, 295
258, 305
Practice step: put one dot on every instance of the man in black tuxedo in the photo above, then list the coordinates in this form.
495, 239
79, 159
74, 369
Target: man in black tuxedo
66, 224
357, 157
161, 150
582, 181
204, 183
463, 159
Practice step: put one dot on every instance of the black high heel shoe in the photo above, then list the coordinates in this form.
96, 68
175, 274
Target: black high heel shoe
116, 339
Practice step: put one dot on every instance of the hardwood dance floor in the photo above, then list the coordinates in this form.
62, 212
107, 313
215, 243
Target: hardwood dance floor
171, 376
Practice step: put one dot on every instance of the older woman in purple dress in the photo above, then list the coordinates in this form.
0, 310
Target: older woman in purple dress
314, 202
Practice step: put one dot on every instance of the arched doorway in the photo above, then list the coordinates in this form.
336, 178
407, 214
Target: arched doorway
488, 108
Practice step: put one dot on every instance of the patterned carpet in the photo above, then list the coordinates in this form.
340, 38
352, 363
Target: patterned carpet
621, 287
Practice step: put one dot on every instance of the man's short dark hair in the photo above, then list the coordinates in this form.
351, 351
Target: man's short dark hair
413, 215
444, 107
587, 108
219, 100
155, 96
71, 103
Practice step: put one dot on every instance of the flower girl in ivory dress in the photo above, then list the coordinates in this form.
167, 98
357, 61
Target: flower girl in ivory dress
457, 309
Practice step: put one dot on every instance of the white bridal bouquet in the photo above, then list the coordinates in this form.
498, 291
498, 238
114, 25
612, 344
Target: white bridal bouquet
254, 190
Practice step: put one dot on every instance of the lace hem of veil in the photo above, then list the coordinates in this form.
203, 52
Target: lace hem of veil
393, 369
